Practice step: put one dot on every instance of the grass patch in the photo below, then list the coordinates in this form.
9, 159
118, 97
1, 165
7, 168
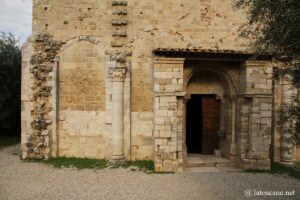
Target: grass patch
146, 166
137, 165
142, 164
277, 168
85, 163
78, 163
8, 141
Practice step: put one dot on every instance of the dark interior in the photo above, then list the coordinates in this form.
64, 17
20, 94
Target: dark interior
194, 124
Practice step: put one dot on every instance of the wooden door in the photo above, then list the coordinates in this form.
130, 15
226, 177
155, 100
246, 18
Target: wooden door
210, 121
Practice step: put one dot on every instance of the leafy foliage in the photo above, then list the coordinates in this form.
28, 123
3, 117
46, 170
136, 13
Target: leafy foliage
290, 118
275, 24
274, 27
10, 84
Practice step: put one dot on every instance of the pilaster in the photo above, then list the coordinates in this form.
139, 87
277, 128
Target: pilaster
168, 114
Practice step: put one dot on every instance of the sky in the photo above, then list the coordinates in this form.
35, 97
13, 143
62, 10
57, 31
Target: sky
16, 17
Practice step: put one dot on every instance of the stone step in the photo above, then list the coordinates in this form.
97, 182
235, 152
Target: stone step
199, 160
204, 169
210, 164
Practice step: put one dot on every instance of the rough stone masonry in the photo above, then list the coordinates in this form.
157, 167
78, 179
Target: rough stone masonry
113, 80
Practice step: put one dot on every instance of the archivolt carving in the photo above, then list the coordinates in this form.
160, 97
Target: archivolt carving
213, 69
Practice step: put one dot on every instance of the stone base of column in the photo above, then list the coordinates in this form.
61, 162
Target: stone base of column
116, 159
233, 149
287, 162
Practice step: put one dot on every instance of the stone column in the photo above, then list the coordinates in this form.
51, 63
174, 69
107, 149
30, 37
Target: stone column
118, 79
221, 113
233, 125
184, 149
287, 149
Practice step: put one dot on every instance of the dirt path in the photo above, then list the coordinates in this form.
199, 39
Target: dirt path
28, 181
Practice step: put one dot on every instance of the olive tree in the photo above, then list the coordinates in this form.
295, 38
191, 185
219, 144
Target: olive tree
10, 81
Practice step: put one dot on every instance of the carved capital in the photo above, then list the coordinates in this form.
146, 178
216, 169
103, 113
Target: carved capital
186, 98
219, 98
118, 74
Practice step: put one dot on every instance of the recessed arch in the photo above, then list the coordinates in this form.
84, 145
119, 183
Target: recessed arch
210, 85
81, 76
91, 39
213, 69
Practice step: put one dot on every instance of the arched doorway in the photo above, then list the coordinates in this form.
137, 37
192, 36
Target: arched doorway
208, 112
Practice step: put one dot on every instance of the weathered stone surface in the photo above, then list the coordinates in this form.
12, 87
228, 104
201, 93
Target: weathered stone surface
78, 54
119, 3
119, 22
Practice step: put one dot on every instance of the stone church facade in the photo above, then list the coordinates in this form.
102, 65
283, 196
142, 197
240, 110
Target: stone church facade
149, 80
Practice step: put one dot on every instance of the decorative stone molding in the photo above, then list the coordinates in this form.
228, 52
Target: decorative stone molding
117, 44
118, 74
256, 63
163, 60
120, 33
186, 98
119, 3
120, 12
119, 22
220, 98
216, 69
91, 39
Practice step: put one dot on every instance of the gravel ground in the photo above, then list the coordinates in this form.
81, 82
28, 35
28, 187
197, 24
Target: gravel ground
28, 181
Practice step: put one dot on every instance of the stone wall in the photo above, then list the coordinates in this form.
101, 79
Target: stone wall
92, 67
81, 101
168, 114
42, 110
82, 77
26, 98
153, 24
141, 136
255, 114
205, 83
